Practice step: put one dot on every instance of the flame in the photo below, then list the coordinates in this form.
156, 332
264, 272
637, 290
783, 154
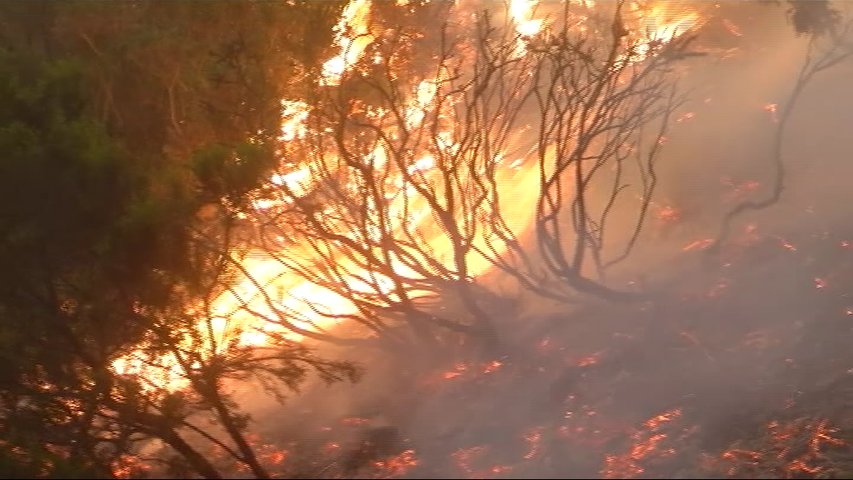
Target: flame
398, 465
352, 37
790, 450
660, 23
647, 443
234, 315
521, 12
533, 438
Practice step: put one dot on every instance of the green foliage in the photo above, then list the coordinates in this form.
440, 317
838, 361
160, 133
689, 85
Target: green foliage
231, 172
118, 122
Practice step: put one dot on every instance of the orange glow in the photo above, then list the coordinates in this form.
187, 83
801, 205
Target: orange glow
772, 108
647, 444
272, 291
493, 366
457, 371
521, 12
659, 23
533, 438
399, 464
352, 37
698, 245
658, 420
668, 214
789, 450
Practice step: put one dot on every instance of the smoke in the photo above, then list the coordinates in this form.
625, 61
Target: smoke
735, 339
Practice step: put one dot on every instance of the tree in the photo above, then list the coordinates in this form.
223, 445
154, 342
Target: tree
829, 44
119, 126
397, 185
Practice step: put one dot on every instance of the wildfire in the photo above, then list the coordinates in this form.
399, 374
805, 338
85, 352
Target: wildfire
790, 450
660, 23
648, 442
533, 439
521, 12
772, 109
397, 465
352, 37
698, 244
269, 290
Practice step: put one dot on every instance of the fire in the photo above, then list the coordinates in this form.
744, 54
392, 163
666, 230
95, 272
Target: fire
521, 12
492, 366
234, 316
732, 28
398, 465
294, 114
467, 459
648, 443
352, 37
533, 439
790, 450
661, 23
668, 214
129, 466
458, 370
698, 244
658, 420
772, 109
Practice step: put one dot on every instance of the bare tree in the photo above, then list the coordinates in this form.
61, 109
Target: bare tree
396, 192
829, 44
600, 106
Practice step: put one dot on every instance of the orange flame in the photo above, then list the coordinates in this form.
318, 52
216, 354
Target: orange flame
352, 37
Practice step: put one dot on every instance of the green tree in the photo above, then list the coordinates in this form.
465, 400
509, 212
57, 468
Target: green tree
118, 123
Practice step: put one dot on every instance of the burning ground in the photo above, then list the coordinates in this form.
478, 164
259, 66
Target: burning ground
745, 372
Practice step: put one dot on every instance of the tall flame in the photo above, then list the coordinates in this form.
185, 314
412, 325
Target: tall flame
313, 307
352, 37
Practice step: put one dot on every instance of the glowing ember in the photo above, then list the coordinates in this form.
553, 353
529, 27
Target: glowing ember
277, 457
787, 245
668, 214
493, 366
465, 458
789, 450
771, 108
732, 28
686, 117
130, 466
397, 465
738, 191
658, 420
457, 371
354, 421
533, 438
647, 444
698, 244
